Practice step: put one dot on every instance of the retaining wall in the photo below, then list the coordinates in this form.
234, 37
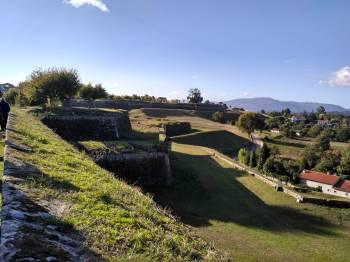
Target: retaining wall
128, 105
176, 129
144, 169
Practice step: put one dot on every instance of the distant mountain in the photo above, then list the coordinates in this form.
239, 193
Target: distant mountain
5, 87
270, 104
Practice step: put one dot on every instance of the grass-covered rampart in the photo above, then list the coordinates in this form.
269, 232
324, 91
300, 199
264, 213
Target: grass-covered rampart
118, 221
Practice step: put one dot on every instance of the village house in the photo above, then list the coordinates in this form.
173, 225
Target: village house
275, 131
296, 119
329, 184
324, 122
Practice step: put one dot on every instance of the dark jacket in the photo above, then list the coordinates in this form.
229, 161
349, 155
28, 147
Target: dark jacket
4, 107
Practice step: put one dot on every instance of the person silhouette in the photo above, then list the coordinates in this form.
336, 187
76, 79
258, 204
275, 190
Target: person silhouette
4, 112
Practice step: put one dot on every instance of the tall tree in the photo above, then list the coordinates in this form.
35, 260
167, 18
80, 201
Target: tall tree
248, 122
195, 96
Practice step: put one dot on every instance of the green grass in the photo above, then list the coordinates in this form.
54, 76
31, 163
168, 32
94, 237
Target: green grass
221, 140
247, 218
293, 147
118, 221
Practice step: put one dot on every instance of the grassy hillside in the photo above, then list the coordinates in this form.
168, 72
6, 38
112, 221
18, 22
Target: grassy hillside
118, 221
247, 218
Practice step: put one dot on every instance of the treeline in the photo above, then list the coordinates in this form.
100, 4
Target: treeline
52, 86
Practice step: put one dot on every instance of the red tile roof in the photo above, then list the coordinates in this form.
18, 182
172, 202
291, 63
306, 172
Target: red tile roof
343, 186
319, 177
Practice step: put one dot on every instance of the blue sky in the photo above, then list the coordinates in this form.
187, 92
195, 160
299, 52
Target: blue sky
290, 50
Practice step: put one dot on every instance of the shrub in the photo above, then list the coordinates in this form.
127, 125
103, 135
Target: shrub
314, 131
263, 155
273, 167
90, 92
253, 159
218, 117
11, 95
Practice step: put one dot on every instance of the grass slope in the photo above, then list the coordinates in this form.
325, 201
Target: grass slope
247, 218
221, 140
119, 222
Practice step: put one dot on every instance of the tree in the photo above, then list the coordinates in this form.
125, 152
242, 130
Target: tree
263, 155
48, 86
90, 92
321, 110
195, 96
273, 167
329, 161
248, 122
310, 157
253, 159
243, 156
286, 112
314, 131
344, 166
343, 134
323, 143
218, 117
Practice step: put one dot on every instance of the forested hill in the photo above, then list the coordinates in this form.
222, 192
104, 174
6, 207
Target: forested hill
269, 104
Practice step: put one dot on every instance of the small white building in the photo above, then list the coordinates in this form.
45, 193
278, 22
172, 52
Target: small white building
275, 131
329, 184
295, 119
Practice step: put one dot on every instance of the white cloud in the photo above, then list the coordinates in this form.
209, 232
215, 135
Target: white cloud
96, 3
339, 78
195, 77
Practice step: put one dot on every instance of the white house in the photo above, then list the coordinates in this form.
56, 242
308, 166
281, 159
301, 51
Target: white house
295, 119
330, 184
275, 131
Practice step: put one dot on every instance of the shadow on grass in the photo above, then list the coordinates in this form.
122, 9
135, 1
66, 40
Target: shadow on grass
220, 140
204, 191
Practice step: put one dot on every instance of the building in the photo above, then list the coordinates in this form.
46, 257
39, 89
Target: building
329, 184
295, 119
275, 131
323, 122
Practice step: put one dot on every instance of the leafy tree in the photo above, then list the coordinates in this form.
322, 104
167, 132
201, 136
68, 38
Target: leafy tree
328, 132
344, 166
253, 159
218, 116
90, 92
195, 96
329, 161
248, 122
310, 157
323, 143
243, 156
48, 86
343, 134
263, 155
314, 131
273, 167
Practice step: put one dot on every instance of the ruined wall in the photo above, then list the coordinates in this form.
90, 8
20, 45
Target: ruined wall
128, 105
176, 129
92, 127
143, 169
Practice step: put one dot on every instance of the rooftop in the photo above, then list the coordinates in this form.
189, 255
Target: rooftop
319, 177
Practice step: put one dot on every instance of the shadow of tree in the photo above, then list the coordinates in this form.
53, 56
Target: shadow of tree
205, 191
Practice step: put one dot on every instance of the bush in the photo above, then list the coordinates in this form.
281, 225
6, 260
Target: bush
218, 117
343, 134
90, 92
263, 155
11, 95
253, 159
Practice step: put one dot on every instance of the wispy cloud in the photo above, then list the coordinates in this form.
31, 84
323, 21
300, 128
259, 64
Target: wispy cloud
95, 3
195, 77
340, 78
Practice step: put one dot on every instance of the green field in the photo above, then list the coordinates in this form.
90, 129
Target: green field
248, 219
293, 147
